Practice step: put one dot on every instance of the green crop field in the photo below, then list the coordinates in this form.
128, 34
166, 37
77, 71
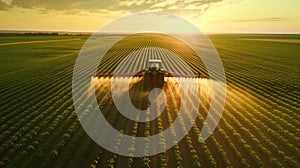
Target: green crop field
260, 126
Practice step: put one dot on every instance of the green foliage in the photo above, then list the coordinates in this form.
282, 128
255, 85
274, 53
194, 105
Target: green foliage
259, 126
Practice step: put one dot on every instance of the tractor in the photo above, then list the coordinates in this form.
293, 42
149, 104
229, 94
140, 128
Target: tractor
154, 74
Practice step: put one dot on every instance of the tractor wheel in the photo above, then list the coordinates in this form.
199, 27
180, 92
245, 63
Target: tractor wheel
147, 78
160, 82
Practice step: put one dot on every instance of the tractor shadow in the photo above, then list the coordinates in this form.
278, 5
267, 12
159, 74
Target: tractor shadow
139, 92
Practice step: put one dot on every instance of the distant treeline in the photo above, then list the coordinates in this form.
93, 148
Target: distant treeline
40, 34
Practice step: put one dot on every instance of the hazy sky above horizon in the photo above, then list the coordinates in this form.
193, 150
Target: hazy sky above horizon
211, 16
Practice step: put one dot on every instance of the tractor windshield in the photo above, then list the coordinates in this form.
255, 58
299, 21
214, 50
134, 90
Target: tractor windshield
154, 64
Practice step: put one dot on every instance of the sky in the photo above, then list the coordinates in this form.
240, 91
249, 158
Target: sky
211, 16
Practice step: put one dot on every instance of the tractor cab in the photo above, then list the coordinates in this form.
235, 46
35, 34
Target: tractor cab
154, 64
154, 74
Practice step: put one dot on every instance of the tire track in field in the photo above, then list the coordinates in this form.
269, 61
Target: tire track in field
38, 41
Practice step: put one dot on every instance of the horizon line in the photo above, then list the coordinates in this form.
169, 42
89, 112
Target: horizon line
90, 32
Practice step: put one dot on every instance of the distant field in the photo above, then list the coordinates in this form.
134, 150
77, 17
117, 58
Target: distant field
30, 51
39, 41
260, 126
275, 40
10, 39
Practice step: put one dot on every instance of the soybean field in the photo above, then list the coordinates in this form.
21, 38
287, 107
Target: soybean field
260, 125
